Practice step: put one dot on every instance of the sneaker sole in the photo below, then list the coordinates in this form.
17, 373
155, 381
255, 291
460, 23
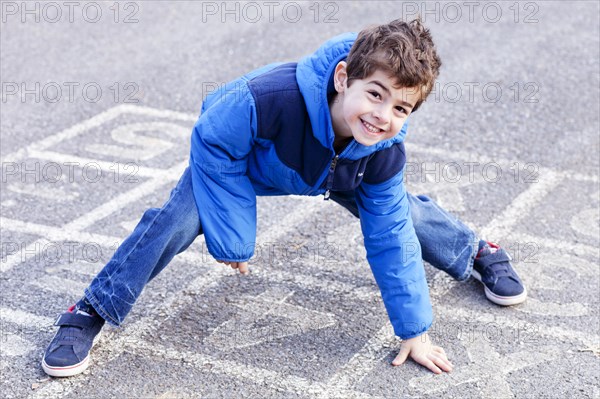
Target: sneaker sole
498, 299
66, 371
69, 371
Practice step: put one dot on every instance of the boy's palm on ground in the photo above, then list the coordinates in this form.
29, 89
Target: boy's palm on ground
422, 351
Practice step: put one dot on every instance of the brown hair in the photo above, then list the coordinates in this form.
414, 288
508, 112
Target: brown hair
403, 50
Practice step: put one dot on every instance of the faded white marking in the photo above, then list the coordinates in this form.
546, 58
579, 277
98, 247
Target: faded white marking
587, 222
130, 225
274, 380
127, 171
574, 248
13, 345
119, 201
531, 331
56, 234
82, 268
295, 278
533, 306
303, 207
93, 122
61, 285
488, 368
21, 255
541, 269
9, 203
43, 191
482, 159
241, 331
26, 319
361, 364
135, 146
520, 207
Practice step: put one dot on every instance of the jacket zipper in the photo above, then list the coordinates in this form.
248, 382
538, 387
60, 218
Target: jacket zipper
330, 175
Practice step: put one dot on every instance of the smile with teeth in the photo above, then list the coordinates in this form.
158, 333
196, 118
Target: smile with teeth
370, 127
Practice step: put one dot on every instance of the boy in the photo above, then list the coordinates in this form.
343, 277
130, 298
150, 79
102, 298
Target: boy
333, 124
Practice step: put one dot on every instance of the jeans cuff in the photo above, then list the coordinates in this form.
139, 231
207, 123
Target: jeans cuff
469, 266
99, 309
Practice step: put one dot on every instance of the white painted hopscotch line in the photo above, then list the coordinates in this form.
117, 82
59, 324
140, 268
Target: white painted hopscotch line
272, 302
334, 287
24, 319
120, 201
61, 285
260, 376
72, 230
19, 256
295, 278
55, 233
502, 224
304, 280
43, 191
532, 330
82, 268
361, 364
93, 122
544, 308
484, 158
13, 345
488, 368
104, 166
574, 248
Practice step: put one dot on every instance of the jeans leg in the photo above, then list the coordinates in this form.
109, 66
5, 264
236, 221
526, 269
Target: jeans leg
446, 243
161, 234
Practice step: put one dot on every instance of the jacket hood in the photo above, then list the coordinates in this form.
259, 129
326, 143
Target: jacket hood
314, 75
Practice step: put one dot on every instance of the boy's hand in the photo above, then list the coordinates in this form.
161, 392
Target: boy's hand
242, 266
422, 351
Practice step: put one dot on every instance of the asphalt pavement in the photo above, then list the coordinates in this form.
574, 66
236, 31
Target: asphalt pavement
98, 102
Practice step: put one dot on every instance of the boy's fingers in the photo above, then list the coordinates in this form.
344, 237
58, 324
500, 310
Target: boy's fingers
431, 366
439, 349
442, 363
401, 358
224, 262
244, 267
439, 352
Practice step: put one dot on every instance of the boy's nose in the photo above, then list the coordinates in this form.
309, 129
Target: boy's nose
381, 115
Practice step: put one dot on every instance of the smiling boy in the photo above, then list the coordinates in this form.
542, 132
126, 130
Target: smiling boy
334, 125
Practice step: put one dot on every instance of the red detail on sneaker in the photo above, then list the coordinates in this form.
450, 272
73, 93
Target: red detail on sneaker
491, 247
491, 244
70, 310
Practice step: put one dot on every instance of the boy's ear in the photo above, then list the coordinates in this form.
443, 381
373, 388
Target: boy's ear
340, 77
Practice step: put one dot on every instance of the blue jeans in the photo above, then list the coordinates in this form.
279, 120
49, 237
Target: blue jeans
447, 244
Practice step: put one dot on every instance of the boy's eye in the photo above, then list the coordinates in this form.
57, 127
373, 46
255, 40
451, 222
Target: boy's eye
402, 110
374, 94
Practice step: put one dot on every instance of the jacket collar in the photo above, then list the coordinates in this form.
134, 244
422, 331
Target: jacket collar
314, 75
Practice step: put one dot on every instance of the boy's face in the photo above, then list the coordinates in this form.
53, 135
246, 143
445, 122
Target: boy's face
371, 109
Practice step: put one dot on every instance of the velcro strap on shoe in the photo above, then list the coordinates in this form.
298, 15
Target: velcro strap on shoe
500, 256
75, 320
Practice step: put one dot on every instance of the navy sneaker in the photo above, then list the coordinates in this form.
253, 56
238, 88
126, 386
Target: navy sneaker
502, 284
68, 353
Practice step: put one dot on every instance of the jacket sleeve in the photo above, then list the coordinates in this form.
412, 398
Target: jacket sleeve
394, 254
221, 141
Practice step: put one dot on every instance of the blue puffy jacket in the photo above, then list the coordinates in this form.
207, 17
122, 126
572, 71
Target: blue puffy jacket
269, 133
